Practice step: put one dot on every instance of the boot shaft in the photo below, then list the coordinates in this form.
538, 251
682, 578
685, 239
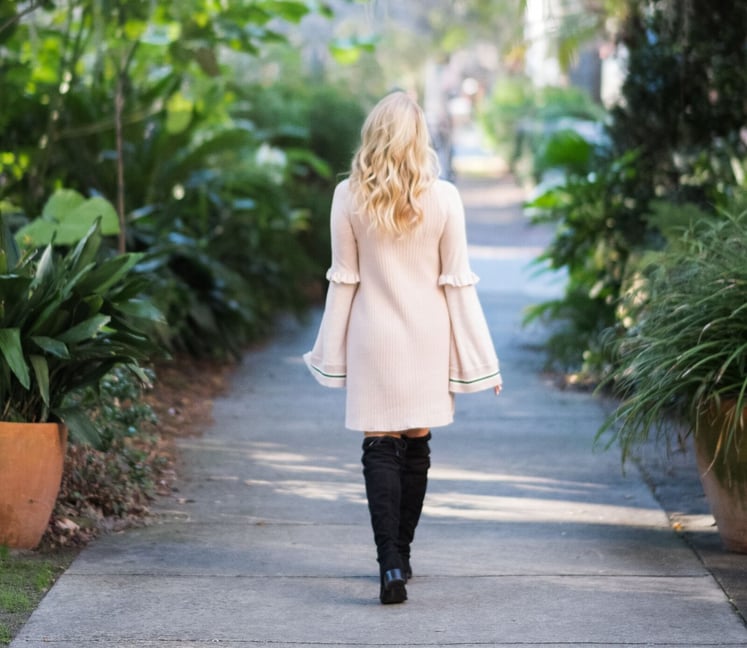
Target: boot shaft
383, 461
414, 483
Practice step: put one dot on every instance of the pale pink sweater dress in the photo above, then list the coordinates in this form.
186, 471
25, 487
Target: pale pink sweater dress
402, 329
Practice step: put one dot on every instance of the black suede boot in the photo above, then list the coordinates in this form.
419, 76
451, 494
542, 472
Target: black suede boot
414, 484
382, 460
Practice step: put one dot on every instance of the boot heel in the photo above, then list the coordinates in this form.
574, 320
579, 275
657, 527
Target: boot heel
393, 587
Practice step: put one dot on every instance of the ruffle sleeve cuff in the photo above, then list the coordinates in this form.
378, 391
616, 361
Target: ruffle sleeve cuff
341, 276
458, 280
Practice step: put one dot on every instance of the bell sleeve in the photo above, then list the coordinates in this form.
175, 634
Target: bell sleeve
473, 363
327, 360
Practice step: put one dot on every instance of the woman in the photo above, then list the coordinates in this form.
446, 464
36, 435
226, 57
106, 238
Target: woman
402, 329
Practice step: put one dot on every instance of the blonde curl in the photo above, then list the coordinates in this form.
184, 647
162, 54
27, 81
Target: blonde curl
394, 165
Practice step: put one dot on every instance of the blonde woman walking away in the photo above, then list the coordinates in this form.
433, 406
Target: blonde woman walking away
402, 330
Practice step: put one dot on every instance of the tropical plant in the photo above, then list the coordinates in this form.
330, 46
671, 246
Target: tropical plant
66, 218
683, 107
599, 226
527, 122
118, 408
146, 106
687, 353
573, 25
96, 84
65, 321
677, 136
318, 128
226, 258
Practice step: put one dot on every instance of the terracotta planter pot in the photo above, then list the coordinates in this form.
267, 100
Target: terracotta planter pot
31, 462
725, 485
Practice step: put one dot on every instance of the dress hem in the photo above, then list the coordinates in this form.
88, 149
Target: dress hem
390, 428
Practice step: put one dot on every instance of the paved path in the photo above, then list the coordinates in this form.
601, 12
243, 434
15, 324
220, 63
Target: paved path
527, 538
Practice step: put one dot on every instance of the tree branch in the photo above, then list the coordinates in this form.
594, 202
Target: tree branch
32, 7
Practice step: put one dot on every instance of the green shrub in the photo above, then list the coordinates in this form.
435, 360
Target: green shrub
116, 405
226, 257
687, 351
65, 321
319, 124
676, 137
683, 107
520, 119
220, 225
598, 227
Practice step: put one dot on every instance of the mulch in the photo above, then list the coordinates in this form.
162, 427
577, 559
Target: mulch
96, 497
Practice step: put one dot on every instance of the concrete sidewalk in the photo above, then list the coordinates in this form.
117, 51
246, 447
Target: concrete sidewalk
527, 537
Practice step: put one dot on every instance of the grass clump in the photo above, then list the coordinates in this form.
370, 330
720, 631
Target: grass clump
25, 578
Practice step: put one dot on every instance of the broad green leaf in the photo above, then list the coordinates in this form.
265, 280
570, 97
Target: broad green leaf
45, 269
66, 218
86, 250
60, 202
324, 9
85, 330
348, 50
161, 34
49, 319
566, 149
106, 274
51, 346
37, 233
344, 52
207, 60
41, 372
289, 10
12, 350
141, 308
75, 224
79, 425
94, 303
134, 30
8, 248
548, 200
319, 166
178, 113
71, 283
14, 289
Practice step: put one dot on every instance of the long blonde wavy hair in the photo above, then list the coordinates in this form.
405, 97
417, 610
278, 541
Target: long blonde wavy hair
394, 165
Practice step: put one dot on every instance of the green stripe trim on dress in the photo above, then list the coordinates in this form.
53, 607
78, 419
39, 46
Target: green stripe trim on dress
327, 375
469, 382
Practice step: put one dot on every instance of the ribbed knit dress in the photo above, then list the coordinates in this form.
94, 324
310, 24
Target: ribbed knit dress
402, 329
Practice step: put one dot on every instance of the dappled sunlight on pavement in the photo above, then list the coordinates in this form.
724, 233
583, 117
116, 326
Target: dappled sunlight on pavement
496, 508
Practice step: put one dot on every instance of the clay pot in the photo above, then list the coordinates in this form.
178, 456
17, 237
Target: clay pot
724, 483
32, 456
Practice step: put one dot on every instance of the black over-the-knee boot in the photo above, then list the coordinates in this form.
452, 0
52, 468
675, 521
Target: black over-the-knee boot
414, 484
383, 457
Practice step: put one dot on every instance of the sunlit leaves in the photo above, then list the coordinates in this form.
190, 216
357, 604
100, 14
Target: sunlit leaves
156, 34
349, 50
178, 113
66, 218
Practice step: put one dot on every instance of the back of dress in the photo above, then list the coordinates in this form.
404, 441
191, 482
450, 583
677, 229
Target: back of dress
402, 327
398, 334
